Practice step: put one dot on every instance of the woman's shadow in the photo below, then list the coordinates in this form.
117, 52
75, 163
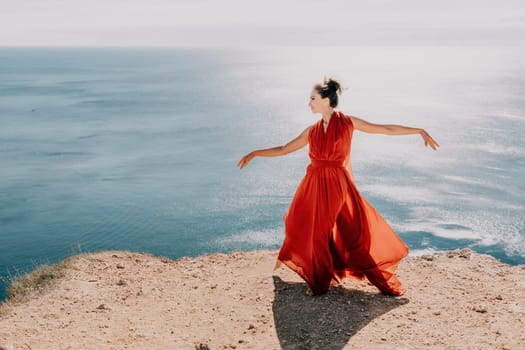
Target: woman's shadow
327, 321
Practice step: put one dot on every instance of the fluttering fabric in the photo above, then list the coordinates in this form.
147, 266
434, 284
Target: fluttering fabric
331, 231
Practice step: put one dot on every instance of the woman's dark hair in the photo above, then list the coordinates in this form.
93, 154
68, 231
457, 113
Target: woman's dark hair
330, 88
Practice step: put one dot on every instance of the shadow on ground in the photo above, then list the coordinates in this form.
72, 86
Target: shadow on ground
327, 321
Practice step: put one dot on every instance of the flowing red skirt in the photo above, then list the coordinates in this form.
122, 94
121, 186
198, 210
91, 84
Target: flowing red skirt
331, 231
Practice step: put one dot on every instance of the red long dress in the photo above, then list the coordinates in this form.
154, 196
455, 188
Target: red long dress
331, 231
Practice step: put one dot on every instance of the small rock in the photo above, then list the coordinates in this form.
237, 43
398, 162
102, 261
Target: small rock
480, 308
499, 297
121, 283
465, 255
102, 307
165, 260
202, 347
461, 253
251, 326
437, 313
120, 266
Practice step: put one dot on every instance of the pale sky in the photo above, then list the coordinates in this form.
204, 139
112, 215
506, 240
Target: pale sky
263, 22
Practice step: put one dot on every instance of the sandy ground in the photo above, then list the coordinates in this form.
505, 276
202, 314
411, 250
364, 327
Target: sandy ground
123, 300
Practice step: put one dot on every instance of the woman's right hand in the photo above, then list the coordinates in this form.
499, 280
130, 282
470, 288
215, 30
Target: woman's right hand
245, 160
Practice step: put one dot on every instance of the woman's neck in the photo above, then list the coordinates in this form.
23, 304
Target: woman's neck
327, 115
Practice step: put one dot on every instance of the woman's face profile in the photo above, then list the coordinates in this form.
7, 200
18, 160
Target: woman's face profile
317, 103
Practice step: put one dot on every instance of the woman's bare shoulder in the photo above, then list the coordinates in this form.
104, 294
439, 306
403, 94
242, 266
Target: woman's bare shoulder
311, 126
348, 118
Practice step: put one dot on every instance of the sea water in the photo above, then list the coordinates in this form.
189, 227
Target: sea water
136, 148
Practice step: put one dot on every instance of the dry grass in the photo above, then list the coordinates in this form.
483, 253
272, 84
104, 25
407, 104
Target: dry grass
22, 285
34, 281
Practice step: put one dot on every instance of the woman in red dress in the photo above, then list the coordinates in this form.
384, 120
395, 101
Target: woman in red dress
331, 231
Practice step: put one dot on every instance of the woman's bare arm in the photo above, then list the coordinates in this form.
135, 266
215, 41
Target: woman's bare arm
392, 129
292, 146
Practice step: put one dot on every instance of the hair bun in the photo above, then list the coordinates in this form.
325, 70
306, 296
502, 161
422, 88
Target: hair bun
330, 88
333, 85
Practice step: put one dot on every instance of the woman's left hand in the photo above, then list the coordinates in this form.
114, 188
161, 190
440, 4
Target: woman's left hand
429, 141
